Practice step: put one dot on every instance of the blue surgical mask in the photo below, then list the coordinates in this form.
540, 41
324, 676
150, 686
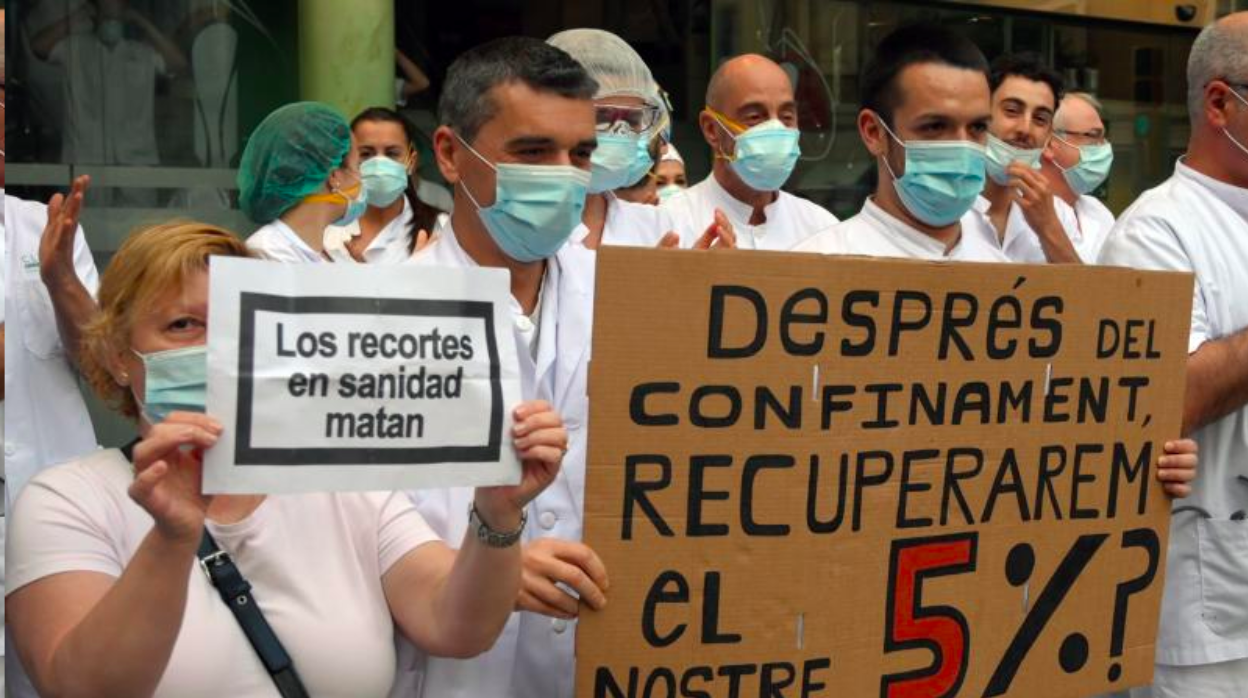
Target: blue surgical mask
942, 178
1091, 170
355, 207
174, 380
1000, 154
614, 162
535, 209
765, 154
668, 191
642, 162
384, 180
111, 32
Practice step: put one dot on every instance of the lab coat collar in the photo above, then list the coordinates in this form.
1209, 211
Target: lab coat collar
916, 243
1234, 197
736, 209
449, 252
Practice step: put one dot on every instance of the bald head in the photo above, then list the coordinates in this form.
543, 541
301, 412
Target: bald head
1220, 52
1080, 112
743, 77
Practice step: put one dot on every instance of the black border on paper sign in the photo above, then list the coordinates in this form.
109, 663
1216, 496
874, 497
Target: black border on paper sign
251, 303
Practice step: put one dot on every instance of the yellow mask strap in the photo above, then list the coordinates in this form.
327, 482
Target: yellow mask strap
342, 196
733, 127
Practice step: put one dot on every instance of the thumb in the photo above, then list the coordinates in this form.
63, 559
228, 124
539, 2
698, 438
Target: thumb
669, 241
146, 481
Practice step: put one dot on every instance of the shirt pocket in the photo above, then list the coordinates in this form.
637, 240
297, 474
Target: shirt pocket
1224, 576
39, 332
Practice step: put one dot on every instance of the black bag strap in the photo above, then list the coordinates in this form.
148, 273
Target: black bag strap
235, 591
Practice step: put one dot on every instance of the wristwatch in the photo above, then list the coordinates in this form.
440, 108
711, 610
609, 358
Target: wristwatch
489, 536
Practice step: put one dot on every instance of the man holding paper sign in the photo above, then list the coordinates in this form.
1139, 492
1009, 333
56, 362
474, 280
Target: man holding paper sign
517, 135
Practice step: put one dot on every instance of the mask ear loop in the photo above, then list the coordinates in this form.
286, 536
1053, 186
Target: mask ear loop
1227, 132
462, 183
720, 120
880, 120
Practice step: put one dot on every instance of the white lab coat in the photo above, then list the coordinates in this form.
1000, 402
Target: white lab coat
389, 247
110, 97
876, 233
1093, 221
1020, 243
633, 225
533, 657
45, 418
277, 242
1194, 223
789, 219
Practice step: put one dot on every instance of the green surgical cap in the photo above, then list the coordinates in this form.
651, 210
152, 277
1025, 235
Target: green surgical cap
290, 155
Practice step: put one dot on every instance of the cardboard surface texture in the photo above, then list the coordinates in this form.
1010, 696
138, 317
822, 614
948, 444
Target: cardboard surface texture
814, 476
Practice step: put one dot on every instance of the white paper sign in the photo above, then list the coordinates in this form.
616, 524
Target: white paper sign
332, 377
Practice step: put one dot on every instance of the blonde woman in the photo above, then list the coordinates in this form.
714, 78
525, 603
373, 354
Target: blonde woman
105, 596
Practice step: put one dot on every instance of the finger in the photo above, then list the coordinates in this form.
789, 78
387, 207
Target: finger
584, 557
538, 420
69, 221
542, 589
555, 436
727, 234
528, 602
197, 419
669, 241
706, 238
1180, 471
579, 580
549, 455
530, 407
1177, 490
164, 438
143, 487
548, 419
54, 209
1182, 446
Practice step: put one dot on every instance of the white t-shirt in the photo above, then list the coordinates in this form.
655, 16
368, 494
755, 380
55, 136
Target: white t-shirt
789, 219
389, 247
876, 233
315, 563
1020, 243
1197, 224
277, 242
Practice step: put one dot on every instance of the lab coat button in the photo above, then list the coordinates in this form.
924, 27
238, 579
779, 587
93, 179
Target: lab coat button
559, 625
523, 323
547, 519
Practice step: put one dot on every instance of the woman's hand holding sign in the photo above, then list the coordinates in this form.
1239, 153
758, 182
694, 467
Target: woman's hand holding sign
168, 466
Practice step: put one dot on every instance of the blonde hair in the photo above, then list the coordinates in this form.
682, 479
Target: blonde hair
150, 264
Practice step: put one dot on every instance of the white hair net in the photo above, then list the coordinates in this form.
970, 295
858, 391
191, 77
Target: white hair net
611, 61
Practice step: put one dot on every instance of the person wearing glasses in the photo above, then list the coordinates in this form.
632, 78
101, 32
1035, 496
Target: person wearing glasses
750, 124
1197, 222
628, 111
1076, 163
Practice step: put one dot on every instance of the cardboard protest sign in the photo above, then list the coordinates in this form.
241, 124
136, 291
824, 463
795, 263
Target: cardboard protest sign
815, 476
331, 377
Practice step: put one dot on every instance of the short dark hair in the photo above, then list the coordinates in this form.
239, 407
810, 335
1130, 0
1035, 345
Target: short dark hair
465, 104
1028, 66
910, 45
